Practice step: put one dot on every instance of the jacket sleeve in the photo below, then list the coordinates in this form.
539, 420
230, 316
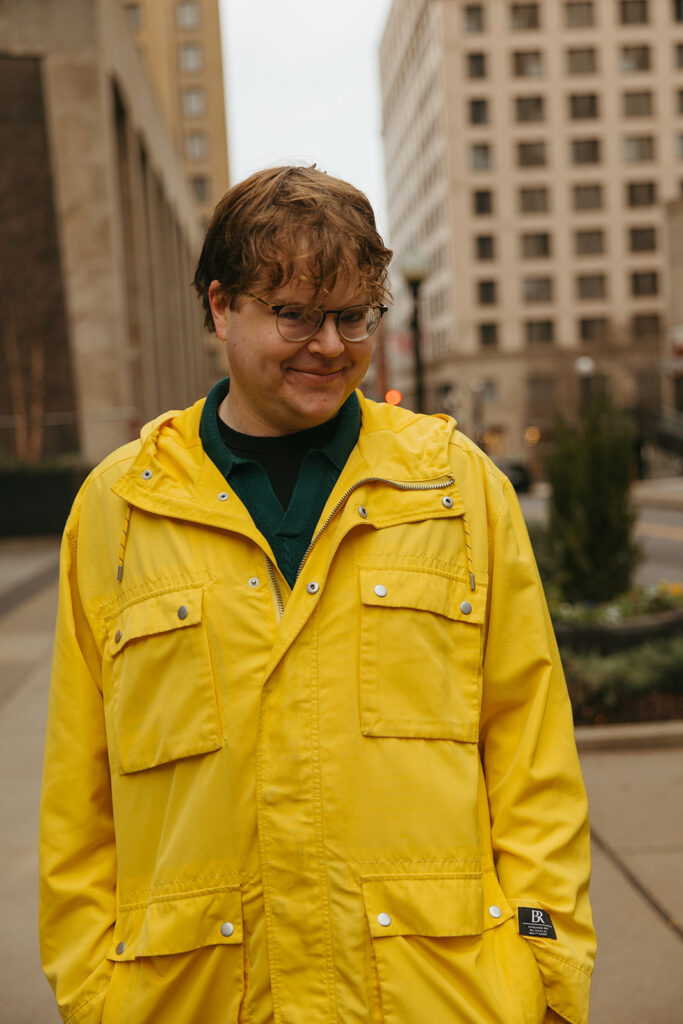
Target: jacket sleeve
536, 796
77, 859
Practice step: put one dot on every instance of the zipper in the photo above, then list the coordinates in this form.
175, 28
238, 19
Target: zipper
274, 584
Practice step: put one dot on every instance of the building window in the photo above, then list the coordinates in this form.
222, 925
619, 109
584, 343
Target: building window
644, 283
191, 58
638, 148
473, 18
527, 64
529, 108
541, 393
476, 65
486, 293
482, 202
488, 335
646, 325
579, 15
593, 328
583, 105
200, 188
638, 104
479, 111
635, 58
582, 61
679, 55
539, 332
680, 147
633, 12
187, 14
480, 157
196, 146
641, 193
642, 239
531, 154
133, 16
485, 247
534, 200
591, 286
589, 243
677, 10
524, 16
588, 197
679, 97
585, 151
535, 246
537, 289
193, 102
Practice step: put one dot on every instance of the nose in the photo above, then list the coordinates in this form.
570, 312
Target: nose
326, 339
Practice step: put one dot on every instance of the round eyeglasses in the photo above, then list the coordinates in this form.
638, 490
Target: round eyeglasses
299, 323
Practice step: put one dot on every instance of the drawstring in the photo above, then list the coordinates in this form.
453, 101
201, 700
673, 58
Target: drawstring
468, 550
122, 546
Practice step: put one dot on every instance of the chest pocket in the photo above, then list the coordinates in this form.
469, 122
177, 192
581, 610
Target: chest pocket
420, 654
163, 691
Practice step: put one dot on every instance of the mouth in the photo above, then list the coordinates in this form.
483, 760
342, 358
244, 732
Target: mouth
317, 375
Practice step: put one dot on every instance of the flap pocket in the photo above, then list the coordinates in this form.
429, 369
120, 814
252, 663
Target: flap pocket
160, 613
178, 924
434, 905
436, 592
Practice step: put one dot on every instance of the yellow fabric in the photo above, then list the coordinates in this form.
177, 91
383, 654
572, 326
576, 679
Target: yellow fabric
240, 780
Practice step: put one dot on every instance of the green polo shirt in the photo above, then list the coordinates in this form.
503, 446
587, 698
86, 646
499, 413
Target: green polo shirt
288, 531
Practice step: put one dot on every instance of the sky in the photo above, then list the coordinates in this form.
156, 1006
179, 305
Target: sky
303, 86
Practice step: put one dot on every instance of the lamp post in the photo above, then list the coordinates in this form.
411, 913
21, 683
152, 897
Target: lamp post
414, 268
585, 369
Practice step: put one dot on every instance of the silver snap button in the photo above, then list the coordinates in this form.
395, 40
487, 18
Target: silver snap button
466, 607
183, 611
384, 920
227, 929
495, 911
118, 637
254, 581
121, 948
381, 590
147, 474
447, 502
223, 496
362, 512
312, 588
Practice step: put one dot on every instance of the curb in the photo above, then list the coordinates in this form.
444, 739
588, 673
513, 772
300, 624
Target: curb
631, 736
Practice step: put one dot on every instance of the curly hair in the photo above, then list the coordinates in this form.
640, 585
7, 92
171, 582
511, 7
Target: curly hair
288, 224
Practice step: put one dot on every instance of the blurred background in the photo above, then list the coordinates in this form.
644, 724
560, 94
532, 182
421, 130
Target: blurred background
525, 161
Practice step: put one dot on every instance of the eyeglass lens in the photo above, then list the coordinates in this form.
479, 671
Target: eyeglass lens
298, 323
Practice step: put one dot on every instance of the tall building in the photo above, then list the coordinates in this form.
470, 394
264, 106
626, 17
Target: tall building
530, 151
180, 43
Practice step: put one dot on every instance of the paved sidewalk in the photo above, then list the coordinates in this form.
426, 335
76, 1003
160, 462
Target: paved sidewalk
633, 775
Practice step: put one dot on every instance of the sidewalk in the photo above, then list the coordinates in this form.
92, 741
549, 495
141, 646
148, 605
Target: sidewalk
633, 775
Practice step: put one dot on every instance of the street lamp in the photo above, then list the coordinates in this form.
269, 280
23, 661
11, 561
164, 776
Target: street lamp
415, 268
585, 369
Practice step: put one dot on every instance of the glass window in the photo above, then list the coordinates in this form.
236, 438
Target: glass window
680, 147
534, 200
633, 12
638, 104
488, 335
677, 10
635, 58
485, 247
191, 58
473, 18
679, 97
482, 201
638, 148
529, 108
537, 289
480, 157
583, 105
589, 242
479, 111
679, 55
579, 15
200, 188
539, 332
591, 286
582, 61
527, 64
535, 246
644, 283
524, 16
593, 328
486, 293
541, 393
476, 65
196, 146
133, 16
588, 197
642, 239
193, 102
531, 154
585, 151
641, 193
187, 14
646, 325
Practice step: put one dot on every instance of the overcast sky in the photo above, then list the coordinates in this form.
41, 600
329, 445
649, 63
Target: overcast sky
303, 85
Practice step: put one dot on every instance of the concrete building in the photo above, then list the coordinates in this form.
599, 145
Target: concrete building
531, 149
99, 330
180, 43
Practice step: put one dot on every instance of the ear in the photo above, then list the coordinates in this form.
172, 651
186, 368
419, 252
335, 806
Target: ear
219, 308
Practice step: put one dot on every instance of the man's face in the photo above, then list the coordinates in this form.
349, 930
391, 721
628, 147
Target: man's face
278, 386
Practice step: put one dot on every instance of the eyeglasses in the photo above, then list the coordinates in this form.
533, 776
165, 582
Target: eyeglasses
299, 323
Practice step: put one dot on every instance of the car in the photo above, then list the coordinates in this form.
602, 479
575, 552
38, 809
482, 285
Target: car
517, 473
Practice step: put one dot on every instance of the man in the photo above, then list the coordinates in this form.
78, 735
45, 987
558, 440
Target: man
310, 754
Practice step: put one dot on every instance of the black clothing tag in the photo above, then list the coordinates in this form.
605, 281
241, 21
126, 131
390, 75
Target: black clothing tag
535, 923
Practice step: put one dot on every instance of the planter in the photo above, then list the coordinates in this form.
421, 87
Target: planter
37, 499
608, 637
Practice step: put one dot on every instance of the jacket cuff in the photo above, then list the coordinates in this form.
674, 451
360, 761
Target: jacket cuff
567, 987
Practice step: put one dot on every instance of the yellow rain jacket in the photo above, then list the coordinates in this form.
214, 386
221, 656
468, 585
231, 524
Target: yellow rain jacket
316, 806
